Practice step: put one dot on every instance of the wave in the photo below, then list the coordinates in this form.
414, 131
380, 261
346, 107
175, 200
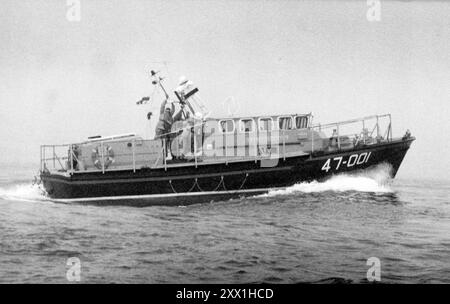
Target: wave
376, 180
23, 192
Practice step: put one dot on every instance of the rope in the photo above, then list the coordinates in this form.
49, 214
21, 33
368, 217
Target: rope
245, 179
221, 183
199, 188
242, 185
192, 188
170, 183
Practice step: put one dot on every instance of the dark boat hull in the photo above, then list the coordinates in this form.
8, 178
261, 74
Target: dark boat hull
190, 184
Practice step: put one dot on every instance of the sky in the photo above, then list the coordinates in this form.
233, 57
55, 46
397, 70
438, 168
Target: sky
62, 81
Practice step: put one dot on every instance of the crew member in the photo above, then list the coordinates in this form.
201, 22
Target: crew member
164, 125
334, 139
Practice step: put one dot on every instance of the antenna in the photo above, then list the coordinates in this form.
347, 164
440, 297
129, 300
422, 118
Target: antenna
156, 80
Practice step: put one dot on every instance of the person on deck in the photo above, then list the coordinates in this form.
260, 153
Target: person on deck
334, 139
164, 125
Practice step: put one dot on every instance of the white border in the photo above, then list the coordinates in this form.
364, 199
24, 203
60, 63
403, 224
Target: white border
227, 132
265, 117
253, 125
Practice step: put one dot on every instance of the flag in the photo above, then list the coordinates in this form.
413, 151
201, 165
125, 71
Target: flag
143, 100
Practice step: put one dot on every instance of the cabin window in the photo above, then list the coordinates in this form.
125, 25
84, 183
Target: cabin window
247, 125
301, 122
285, 123
226, 126
265, 124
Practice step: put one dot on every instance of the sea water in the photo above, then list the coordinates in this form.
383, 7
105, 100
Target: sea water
321, 232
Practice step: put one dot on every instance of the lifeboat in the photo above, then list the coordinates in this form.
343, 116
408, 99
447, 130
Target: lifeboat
202, 158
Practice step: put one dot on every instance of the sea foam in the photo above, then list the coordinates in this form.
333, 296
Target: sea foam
23, 192
373, 180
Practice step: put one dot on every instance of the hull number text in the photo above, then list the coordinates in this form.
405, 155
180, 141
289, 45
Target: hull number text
352, 160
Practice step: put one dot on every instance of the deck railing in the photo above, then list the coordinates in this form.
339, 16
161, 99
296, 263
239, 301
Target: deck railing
255, 146
373, 122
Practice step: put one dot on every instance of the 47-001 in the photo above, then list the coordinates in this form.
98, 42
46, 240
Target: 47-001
352, 160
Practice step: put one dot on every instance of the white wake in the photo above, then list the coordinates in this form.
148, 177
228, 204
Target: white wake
375, 180
23, 192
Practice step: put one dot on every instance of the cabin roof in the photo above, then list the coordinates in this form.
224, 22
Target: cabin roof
258, 116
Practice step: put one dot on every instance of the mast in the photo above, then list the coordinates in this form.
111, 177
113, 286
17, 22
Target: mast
185, 93
156, 80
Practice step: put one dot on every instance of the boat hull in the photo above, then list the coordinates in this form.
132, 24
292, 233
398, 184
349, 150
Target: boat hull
182, 185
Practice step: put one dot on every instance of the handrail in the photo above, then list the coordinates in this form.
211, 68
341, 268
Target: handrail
164, 153
351, 121
344, 122
203, 122
59, 161
40, 157
103, 157
71, 158
364, 127
390, 125
134, 158
195, 147
338, 138
134, 154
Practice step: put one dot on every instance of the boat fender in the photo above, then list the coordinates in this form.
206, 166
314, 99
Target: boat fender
108, 157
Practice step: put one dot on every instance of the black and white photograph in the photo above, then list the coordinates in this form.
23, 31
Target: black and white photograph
215, 142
